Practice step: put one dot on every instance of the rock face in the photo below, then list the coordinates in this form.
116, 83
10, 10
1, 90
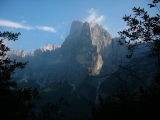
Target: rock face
86, 44
87, 50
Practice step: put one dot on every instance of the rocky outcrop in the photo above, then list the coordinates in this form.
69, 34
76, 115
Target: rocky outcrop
86, 44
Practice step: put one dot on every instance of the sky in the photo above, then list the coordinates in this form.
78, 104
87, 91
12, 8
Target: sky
43, 22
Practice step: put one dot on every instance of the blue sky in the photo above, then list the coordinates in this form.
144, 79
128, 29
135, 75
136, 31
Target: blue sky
43, 22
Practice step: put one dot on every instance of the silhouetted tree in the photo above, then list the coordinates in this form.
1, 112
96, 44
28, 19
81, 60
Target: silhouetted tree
15, 103
143, 27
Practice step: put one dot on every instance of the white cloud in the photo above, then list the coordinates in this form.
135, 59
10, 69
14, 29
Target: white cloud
46, 28
11, 24
7, 23
94, 17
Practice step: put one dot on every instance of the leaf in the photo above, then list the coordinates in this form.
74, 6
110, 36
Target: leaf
151, 5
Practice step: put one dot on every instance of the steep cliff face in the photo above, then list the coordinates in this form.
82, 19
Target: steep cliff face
85, 44
100, 37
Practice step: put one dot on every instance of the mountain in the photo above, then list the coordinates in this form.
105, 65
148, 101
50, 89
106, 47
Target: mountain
89, 61
81, 54
85, 51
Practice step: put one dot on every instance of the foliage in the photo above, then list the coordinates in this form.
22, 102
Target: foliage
7, 66
143, 27
15, 103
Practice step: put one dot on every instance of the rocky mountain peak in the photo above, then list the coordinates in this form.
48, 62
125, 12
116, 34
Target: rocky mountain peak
86, 43
84, 33
76, 27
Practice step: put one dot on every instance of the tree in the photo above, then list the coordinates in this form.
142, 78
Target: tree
15, 103
143, 28
7, 66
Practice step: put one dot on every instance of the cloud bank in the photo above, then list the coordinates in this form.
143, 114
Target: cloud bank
46, 28
11, 24
7, 23
94, 17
